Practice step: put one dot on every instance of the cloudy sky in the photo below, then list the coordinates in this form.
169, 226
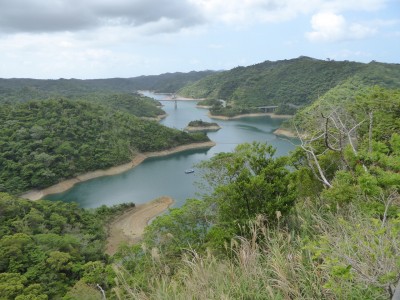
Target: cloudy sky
127, 38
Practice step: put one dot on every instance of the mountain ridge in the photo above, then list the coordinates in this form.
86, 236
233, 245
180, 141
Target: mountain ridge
298, 81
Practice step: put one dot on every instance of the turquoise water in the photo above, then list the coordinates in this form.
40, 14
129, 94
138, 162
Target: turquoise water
165, 175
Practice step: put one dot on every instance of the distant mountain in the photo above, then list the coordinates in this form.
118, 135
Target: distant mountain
24, 89
168, 82
291, 83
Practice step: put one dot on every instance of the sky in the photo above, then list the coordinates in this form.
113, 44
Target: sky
128, 38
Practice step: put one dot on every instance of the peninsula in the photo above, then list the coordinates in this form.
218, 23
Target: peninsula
60, 187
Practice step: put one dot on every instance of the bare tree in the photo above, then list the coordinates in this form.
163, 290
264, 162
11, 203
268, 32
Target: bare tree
336, 132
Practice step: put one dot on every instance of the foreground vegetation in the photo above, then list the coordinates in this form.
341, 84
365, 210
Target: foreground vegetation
48, 247
317, 253
44, 142
347, 95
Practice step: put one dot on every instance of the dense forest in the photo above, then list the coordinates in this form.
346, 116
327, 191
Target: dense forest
18, 89
44, 142
133, 103
289, 84
327, 229
345, 95
200, 125
48, 247
320, 223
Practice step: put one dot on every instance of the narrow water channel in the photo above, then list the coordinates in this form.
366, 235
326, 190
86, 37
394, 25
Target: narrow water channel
165, 175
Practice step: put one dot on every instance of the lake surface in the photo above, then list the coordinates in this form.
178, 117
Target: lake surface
160, 176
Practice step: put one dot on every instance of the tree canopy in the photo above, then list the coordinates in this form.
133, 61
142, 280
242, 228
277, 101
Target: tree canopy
24, 89
46, 247
288, 84
43, 142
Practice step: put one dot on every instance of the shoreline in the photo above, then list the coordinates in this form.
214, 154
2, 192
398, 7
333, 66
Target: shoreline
138, 159
197, 129
130, 225
285, 133
158, 118
271, 115
203, 106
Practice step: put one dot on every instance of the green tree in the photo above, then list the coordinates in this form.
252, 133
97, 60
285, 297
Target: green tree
184, 227
248, 182
43, 142
11, 285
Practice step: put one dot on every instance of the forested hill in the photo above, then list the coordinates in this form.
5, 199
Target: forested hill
295, 82
48, 248
29, 89
168, 82
43, 142
322, 223
133, 103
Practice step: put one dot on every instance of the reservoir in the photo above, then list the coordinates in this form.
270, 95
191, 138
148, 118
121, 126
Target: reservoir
165, 176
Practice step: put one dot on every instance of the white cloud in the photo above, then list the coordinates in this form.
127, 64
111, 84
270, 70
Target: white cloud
351, 5
165, 15
243, 12
330, 27
100, 38
54, 54
37, 16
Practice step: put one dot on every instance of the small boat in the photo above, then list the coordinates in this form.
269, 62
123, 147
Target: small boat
189, 171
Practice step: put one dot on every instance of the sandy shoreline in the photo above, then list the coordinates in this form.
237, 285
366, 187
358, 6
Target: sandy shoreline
285, 132
139, 158
203, 106
206, 128
129, 226
272, 115
158, 118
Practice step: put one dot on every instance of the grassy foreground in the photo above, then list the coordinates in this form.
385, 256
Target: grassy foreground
318, 254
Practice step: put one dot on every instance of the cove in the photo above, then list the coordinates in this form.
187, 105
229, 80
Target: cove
165, 176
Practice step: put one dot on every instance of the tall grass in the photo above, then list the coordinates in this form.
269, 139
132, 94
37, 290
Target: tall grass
317, 254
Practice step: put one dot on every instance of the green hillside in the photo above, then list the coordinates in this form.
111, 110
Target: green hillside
133, 103
43, 142
24, 89
321, 223
287, 83
47, 247
345, 96
168, 82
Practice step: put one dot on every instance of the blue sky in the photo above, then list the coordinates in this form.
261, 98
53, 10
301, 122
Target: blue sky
127, 38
